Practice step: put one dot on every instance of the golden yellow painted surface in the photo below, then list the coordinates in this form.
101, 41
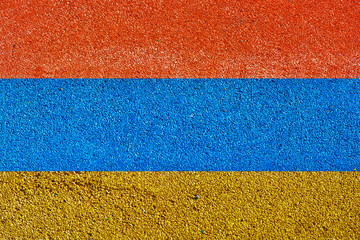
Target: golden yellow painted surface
163, 205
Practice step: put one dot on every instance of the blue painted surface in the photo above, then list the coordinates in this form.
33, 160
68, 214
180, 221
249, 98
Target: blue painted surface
179, 124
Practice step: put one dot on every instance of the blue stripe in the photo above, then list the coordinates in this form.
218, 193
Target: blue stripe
179, 124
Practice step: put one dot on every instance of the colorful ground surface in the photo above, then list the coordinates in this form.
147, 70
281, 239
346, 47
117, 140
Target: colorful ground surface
180, 39
252, 39
179, 205
180, 124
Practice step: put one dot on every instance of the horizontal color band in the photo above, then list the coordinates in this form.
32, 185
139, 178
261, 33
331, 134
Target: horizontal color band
179, 124
180, 205
180, 39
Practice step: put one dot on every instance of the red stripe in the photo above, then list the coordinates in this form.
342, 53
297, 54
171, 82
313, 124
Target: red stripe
184, 39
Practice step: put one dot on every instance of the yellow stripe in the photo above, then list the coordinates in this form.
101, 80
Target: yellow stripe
162, 205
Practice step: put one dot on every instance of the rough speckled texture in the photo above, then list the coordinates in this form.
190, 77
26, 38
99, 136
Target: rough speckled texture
179, 124
183, 39
163, 205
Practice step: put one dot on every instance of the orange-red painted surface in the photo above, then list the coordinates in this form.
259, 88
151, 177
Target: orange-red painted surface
183, 39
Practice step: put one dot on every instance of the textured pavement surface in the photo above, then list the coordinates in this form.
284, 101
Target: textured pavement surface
177, 39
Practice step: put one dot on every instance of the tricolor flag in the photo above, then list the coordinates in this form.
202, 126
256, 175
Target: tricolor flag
179, 119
